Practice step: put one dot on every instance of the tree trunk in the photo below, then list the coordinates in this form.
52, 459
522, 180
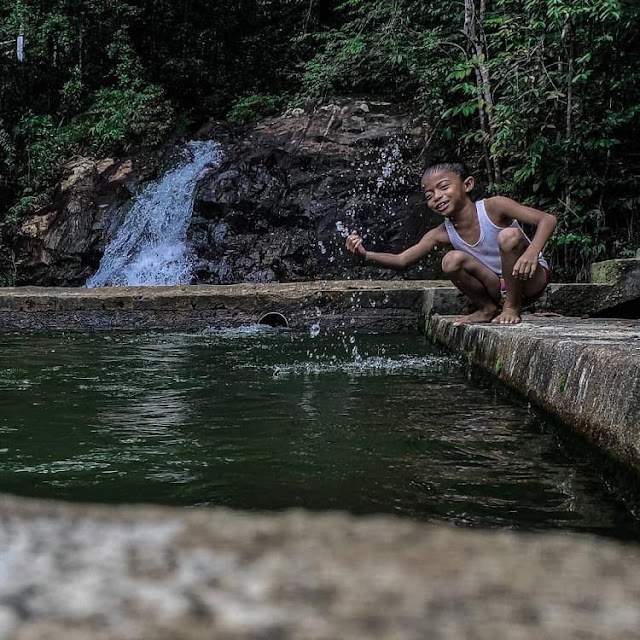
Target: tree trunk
473, 31
567, 38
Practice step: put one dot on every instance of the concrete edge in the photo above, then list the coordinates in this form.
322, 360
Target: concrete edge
580, 382
380, 306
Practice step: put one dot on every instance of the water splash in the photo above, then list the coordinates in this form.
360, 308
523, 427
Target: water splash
368, 365
257, 331
392, 165
341, 229
150, 247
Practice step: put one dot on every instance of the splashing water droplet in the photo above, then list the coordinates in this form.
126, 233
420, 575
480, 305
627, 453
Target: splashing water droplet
314, 330
341, 229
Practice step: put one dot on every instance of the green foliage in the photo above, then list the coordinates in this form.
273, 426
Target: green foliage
20, 208
543, 94
121, 118
46, 148
7, 158
7, 148
116, 120
254, 107
105, 77
73, 93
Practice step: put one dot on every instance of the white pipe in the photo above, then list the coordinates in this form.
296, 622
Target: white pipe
20, 48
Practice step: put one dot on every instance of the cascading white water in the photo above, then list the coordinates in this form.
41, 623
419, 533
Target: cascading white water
150, 247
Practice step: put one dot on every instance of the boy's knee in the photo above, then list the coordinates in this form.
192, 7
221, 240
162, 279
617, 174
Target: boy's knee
511, 240
453, 261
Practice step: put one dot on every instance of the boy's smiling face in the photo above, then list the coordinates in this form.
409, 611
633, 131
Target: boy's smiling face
446, 192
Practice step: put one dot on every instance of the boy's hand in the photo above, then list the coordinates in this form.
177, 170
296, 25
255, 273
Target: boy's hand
525, 266
354, 244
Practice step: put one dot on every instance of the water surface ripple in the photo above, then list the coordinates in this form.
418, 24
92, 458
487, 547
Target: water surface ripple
262, 419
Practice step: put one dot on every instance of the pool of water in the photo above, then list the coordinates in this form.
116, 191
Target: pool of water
262, 419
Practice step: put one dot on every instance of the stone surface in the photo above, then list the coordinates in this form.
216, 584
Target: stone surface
63, 241
385, 306
585, 371
132, 573
360, 305
276, 210
280, 206
625, 273
614, 291
579, 299
624, 277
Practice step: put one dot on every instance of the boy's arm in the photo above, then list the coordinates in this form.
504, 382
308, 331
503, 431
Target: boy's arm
507, 210
430, 241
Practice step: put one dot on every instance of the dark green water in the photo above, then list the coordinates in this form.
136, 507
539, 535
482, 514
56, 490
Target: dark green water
260, 419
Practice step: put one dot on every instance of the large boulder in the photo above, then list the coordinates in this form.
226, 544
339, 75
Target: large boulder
280, 206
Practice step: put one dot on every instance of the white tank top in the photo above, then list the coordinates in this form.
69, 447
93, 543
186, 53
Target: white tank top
486, 249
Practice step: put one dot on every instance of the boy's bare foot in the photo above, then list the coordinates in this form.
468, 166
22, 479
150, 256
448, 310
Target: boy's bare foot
509, 315
482, 315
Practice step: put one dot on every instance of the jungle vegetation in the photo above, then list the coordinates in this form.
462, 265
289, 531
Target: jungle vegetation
543, 96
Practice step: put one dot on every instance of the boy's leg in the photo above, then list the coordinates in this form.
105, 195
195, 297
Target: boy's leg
477, 282
513, 244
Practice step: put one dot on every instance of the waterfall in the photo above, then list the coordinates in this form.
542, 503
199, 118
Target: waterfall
150, 246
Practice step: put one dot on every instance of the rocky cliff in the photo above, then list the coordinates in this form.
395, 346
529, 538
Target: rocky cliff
277, 209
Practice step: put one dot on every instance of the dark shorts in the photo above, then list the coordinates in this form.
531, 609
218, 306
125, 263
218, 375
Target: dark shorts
528, 300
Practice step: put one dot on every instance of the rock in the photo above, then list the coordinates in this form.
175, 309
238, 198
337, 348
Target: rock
53, 245
61, 245
278, 208
354, 124
293, 187
614, 291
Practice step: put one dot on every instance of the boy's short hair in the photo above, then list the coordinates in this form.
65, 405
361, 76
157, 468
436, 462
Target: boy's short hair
455, 166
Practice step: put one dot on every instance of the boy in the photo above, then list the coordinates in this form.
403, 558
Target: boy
491, 258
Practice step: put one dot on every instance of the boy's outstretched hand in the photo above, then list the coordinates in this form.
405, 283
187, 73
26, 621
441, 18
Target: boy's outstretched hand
354, 244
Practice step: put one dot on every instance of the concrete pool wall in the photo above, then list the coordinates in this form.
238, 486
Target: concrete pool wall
82, 572
381, 306
585, 371
365, 306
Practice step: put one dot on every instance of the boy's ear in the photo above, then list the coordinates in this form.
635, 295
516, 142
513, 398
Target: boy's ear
469, 183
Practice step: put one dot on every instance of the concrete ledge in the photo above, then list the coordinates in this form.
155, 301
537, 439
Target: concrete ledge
625, 274
585, 371
384, 306
98, 573
577, 299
